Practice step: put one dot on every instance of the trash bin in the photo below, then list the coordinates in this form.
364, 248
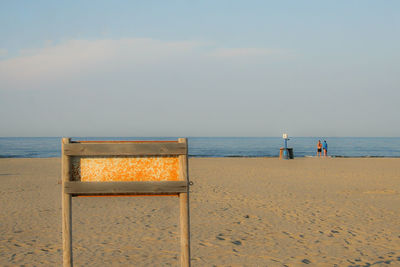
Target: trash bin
288, 155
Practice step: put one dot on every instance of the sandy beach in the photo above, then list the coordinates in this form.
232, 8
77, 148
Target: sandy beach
244, 212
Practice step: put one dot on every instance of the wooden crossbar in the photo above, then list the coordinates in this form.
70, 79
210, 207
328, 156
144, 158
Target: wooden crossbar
128, 149
150, 187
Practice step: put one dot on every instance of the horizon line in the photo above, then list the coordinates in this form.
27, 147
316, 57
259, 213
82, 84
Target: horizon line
322, 137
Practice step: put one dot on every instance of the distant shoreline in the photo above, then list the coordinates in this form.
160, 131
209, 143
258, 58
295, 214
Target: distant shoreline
255, 157
224, 147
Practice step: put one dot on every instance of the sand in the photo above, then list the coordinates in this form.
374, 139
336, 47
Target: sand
244, 212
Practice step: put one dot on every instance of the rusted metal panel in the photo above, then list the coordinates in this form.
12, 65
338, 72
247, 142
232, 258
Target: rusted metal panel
125, 168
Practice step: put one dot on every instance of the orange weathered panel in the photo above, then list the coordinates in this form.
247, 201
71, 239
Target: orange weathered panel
121, 168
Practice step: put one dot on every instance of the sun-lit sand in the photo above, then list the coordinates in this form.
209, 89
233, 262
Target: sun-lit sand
244, 212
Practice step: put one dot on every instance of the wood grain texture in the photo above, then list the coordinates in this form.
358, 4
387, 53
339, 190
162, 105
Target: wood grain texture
149, 187
127, 149
184, 209
66, 207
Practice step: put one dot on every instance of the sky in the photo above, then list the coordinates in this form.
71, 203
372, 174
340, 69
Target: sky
200, 68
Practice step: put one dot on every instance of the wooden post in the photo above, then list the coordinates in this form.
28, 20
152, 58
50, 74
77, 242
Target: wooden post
66, 208
184, 210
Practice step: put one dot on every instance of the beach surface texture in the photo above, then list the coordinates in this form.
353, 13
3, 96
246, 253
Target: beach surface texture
244, 212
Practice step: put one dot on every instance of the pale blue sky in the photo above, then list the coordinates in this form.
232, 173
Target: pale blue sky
205, 68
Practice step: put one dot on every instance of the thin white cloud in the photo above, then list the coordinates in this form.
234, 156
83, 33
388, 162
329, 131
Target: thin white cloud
94, 87
41, 68
79, 57
3, 52
248, 52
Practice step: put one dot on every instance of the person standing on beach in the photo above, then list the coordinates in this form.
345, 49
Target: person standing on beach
325, 146
319, 148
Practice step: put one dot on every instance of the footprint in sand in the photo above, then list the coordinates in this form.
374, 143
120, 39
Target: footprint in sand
381, 192
237, 242
220, 237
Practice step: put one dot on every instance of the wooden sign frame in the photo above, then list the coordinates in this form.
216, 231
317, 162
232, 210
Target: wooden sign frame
72, 188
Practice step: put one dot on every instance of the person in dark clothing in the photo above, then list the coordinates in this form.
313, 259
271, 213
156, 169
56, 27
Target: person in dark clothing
319, 148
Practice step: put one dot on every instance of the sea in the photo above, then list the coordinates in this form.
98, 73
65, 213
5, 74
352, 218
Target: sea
46, 147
